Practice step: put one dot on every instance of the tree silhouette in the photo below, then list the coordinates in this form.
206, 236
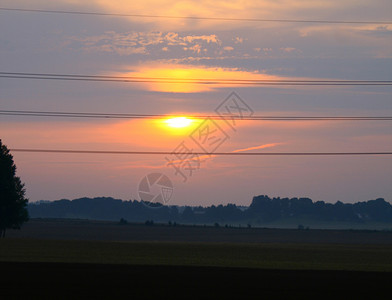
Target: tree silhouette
13, 211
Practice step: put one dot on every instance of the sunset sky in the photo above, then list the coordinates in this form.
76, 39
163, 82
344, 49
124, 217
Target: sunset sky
191, 48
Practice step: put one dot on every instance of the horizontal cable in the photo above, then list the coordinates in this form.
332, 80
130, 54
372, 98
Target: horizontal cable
224, 81
191, 17
169, 78
165, 116
199, 153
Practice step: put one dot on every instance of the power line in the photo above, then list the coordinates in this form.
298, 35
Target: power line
185, 79
200, 153
164, 116
191, 17
141, 79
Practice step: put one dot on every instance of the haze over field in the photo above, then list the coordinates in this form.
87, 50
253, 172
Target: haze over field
189, 49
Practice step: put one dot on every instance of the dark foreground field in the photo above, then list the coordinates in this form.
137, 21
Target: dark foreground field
89, 281
87, 259
68, 229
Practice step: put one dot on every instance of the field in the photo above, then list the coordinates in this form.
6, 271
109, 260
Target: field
301, 262
266, 256
68, 229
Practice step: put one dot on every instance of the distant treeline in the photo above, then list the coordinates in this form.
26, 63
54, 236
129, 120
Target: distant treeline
262, 210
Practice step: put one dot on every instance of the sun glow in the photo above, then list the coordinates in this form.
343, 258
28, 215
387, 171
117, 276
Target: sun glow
181, 78
179, 122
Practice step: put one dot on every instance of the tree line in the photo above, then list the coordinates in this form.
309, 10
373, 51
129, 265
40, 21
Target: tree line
262, 208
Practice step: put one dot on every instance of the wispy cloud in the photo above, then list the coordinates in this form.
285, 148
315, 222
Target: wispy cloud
127, 43
186, 78
240, 9
203, 158
259, 147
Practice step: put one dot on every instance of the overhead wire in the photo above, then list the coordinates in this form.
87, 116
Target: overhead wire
216, 81
28, 113
138, 79
198, 153
69, 12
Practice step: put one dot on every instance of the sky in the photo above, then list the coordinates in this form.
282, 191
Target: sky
189, 48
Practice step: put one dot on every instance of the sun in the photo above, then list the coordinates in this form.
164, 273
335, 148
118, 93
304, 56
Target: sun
179, 122
178, 125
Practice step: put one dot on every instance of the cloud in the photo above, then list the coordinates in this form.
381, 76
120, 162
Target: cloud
212, 38
120, 43
195, 48
202, 159
263, 9
287, 49
127, 43
238, 40
259, 147
187, 78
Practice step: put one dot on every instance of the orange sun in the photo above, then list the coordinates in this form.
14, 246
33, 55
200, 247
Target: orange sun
179, 122
178, 125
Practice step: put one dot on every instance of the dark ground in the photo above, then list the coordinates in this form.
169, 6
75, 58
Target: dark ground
87, 281
69, 229
80, 259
